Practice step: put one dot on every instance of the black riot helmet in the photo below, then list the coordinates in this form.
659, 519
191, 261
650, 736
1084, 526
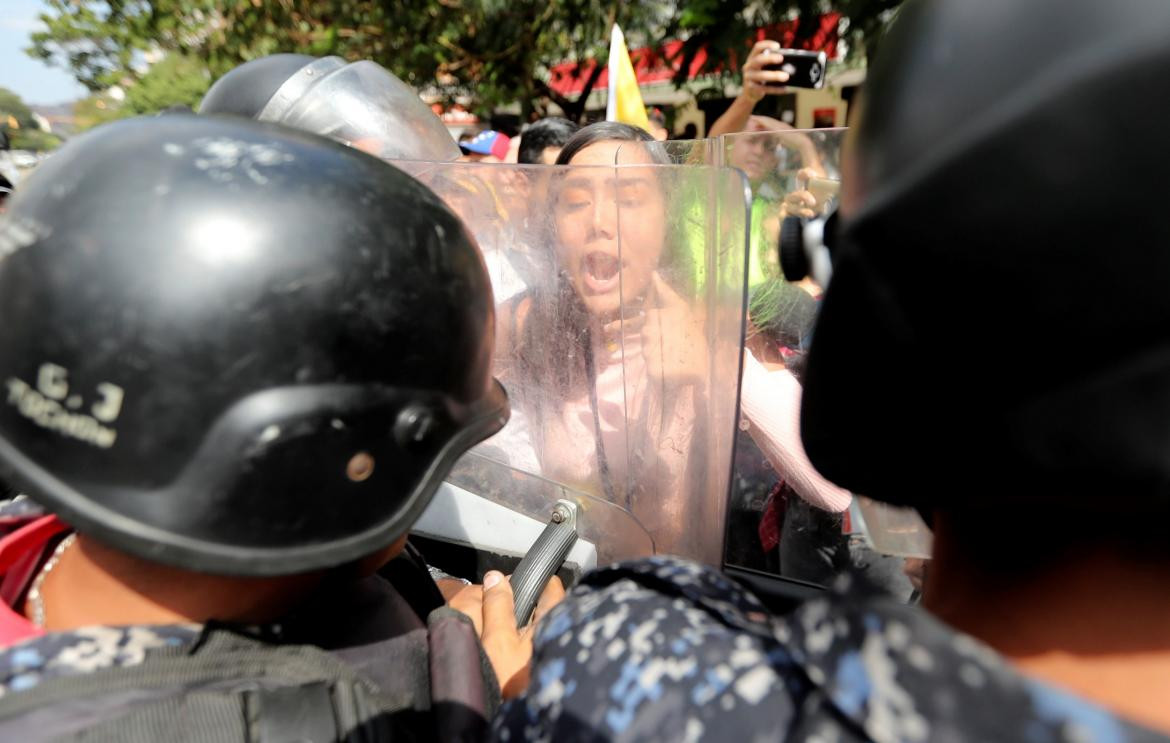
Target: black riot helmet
359, 103
237, 348
997, 323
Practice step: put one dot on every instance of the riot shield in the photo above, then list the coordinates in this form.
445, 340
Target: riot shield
784, 518
684, 151
621, 365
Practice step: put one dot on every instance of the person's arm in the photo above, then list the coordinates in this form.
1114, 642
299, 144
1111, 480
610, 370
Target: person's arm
735, 118
771, 402
491, 609
757, 82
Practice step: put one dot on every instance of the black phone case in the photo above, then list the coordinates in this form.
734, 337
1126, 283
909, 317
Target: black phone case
805, 69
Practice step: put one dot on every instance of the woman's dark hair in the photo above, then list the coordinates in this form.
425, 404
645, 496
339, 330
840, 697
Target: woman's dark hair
783, 311
785, 314
602, 131
550, 132
555, 342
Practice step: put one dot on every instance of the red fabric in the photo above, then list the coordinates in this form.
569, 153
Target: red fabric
772, 519
21, 554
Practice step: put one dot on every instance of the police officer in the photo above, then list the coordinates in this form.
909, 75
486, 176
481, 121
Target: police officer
233, 387
992, 351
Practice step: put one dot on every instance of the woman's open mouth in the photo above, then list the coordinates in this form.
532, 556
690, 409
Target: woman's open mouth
601, 272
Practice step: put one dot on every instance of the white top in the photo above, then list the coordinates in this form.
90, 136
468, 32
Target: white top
771, 403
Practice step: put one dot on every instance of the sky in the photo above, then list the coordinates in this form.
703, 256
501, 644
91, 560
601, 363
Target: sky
31, 79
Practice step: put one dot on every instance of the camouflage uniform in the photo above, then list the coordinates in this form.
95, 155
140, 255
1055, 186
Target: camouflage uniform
663, 649
85, 650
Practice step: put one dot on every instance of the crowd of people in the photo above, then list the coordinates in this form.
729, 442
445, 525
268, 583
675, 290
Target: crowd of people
242, 348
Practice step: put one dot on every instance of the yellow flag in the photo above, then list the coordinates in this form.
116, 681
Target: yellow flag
625, 99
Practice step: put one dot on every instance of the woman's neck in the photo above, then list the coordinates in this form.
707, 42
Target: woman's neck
92, 584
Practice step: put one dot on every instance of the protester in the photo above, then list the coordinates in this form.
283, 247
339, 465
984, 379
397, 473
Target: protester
192, 389
803, 519
513, 155
1046, 611
757, 83
542, 142
658, 130
590, 363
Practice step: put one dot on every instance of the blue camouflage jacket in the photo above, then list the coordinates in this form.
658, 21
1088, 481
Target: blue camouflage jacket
663, 649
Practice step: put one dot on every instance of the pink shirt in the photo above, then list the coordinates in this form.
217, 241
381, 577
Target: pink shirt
771, 404
646, 443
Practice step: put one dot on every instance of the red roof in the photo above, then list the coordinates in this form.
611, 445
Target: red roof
660, 65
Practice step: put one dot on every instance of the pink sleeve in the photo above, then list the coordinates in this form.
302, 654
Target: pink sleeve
771, 403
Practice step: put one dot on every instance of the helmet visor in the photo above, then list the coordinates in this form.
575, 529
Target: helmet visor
366, 107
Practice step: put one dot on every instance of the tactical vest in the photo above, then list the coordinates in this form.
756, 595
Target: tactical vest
358, 665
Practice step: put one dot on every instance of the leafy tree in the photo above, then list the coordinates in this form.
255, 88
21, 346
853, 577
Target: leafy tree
34, 139
97, 109
489, 52
723, 27
175, 80
12, 105
26, 135
100, 42
502, 51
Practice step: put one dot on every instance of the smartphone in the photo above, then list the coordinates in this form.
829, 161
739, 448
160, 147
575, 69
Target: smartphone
823, 189
805, 69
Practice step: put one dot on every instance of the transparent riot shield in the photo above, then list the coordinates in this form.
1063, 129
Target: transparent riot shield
685, 151
784, 518
621, 367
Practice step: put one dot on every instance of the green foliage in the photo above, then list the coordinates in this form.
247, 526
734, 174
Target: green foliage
97, 109
33, 139
175, 80
12, 105
490, 52
98, 41
27, 136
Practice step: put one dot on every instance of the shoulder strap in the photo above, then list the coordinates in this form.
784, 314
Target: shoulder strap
464, 691
227, 687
